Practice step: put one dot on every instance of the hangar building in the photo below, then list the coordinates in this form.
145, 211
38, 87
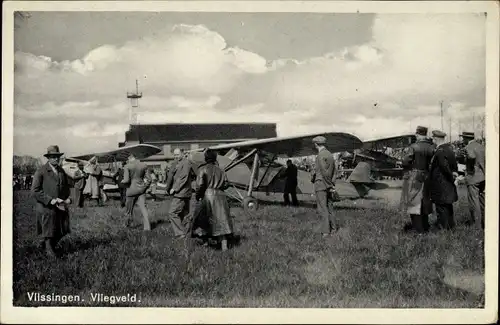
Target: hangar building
192, 136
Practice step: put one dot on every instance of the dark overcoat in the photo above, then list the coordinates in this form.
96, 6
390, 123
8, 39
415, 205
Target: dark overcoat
442, 187
47, 185
214, 215
415, 194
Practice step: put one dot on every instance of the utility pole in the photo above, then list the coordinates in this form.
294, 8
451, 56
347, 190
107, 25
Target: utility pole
473, 122
442, 125
450, 130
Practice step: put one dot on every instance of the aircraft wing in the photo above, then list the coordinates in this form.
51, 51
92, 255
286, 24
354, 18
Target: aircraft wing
140, 151
400, 141
296, 146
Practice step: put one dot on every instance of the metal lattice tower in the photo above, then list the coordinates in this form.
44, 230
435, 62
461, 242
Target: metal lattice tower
134, 103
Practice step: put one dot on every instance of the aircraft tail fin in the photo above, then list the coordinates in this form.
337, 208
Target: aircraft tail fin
361, 179
361, 174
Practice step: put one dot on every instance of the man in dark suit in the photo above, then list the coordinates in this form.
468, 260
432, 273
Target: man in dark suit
52, 194
136, 176
442, 175
121, 186
290, 184
475, 167
324, 186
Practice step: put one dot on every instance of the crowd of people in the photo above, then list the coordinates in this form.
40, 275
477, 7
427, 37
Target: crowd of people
199, 207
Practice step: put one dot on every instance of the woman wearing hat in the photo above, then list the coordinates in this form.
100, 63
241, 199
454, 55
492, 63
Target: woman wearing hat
52, 193
210, 185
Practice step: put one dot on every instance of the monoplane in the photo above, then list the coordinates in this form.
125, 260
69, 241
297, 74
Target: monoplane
252, 167
384, 155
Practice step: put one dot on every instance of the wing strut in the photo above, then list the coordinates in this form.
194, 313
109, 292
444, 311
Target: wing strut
237, 162
267, 169
254, 171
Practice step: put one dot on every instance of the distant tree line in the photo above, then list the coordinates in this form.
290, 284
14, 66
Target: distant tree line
25, 165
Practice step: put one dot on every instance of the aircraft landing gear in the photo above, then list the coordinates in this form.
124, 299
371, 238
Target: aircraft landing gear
250, 204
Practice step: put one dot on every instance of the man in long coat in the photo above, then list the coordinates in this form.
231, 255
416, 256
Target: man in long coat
442, 175
324, 187
415, 199
80, 181
179, 185
52, 194
475, 167
290, 184
136, 176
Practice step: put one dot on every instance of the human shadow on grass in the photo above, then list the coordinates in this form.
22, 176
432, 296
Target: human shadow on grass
233, 241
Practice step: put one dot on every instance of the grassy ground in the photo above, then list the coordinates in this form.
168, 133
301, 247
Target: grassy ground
281, 261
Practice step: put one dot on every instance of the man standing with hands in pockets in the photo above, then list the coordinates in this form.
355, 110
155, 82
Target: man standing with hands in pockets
52, 194
324, 186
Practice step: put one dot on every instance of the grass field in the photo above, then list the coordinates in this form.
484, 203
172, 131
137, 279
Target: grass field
281, 260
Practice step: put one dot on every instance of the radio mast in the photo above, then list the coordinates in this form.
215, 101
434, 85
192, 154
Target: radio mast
134, 103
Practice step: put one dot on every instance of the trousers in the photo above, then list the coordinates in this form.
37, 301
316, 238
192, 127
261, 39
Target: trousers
179, 215
140, 200
324, 201
445, 218
475, 196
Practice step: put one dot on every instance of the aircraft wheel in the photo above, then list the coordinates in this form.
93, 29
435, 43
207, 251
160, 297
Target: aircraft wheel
250, 204
104, 197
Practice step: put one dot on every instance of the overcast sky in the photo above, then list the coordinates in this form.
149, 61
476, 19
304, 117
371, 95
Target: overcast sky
370, 75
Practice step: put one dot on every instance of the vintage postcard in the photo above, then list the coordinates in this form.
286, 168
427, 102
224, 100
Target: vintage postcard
250, 162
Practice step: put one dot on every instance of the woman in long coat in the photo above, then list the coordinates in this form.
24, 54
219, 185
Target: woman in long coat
93, 186
210, 185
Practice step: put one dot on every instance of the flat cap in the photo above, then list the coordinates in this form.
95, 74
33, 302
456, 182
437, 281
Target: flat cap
319, 139
467, 134
438, 134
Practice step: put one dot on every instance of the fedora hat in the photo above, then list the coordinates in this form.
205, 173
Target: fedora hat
53, 150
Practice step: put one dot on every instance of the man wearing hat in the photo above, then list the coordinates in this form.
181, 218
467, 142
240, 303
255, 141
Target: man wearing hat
80, 182
52, 194
324, 187
475, 161
415, 199
442, 175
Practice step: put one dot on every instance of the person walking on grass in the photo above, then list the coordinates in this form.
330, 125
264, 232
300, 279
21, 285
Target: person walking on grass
51, 191
179, 187
136, 176
209, 191
324, 187
442, 175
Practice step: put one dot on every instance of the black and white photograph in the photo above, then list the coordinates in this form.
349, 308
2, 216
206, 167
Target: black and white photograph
302, 156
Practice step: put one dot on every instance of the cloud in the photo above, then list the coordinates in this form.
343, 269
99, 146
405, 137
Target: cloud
190, 74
